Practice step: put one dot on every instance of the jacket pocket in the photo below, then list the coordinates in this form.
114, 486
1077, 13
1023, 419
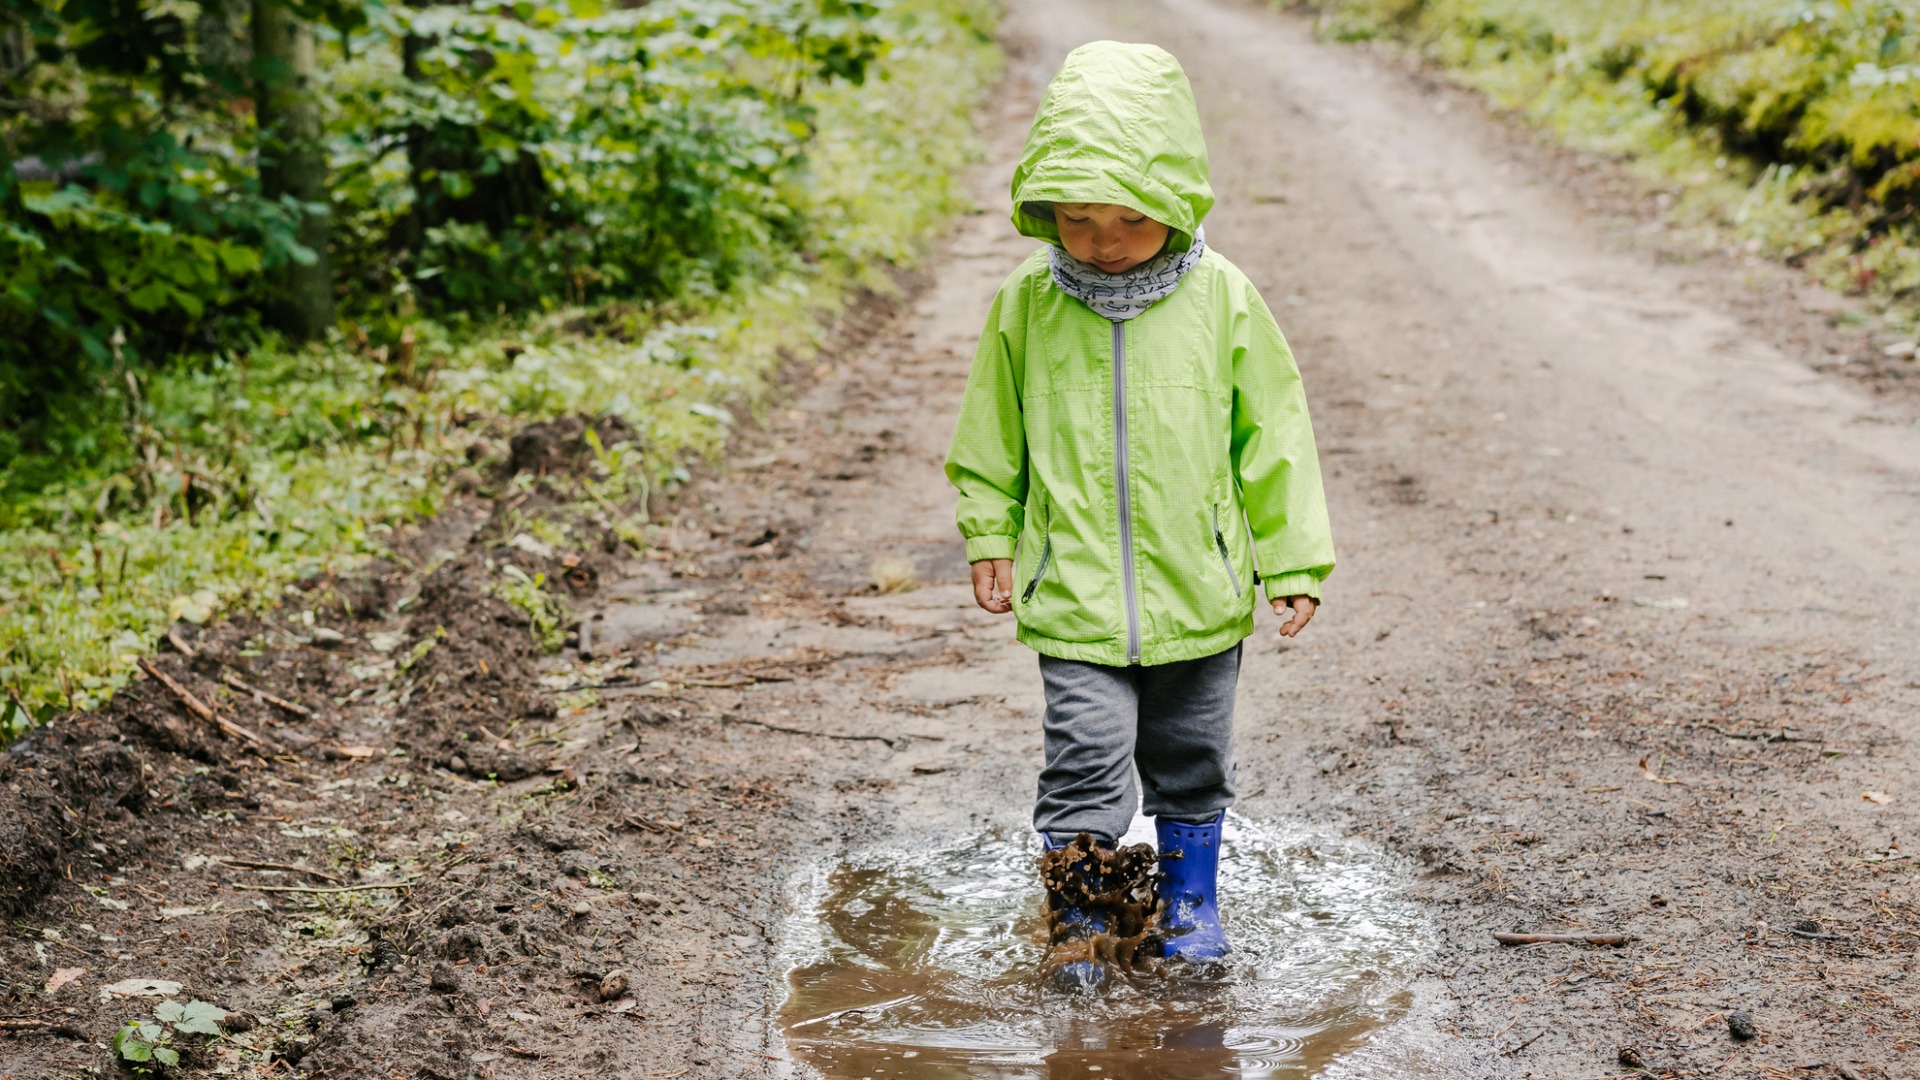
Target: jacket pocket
1046, 551
1220, 546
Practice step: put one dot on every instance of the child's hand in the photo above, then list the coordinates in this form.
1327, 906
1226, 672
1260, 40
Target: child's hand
993, 585
1300, 608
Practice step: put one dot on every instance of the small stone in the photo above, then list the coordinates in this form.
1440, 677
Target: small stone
581, 864
646, 901
456, 763
445, 979
1901, 350
327, 637
581, 909
1740, 1026
1632, 1058
612, 985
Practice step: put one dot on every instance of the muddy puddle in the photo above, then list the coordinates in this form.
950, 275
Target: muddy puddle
924, 963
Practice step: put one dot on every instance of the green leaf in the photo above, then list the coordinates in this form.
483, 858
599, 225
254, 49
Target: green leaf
201, 1018
239, 260
170, 1011
129, 1045
150, 297
166, 1055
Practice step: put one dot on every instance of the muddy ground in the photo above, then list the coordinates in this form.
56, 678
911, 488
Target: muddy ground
1623, 639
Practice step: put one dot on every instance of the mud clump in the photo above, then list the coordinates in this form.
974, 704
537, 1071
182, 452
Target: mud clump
561, 446
56, 786
1090, 884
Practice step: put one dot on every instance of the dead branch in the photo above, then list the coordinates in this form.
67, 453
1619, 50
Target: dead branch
252, 864
1562, 939
1812, 935
1760, 736
34, 1023
893, 741
295, 708
197, 707
1524, 1045
370, 886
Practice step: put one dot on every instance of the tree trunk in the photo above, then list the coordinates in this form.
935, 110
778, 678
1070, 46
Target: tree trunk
291, 160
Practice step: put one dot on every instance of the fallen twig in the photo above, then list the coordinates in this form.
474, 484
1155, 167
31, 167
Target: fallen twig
931, 708
179, 643
724, 676
293, 707
197, 707
857, 1010
34, 1023
893, 741
252, 864
1524, 1045
406, 884
1760, 736
1562, 939
730, 684
1812, 935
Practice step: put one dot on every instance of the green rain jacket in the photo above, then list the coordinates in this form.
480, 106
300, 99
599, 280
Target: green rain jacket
1123, 465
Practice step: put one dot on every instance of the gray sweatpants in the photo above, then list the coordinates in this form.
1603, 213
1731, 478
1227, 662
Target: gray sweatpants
1174, 722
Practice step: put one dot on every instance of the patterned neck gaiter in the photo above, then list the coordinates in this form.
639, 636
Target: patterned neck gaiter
1122, 296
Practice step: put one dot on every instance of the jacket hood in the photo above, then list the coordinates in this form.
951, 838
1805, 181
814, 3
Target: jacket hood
1118, 125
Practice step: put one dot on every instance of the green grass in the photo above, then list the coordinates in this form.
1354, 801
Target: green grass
226, 478
1793, 127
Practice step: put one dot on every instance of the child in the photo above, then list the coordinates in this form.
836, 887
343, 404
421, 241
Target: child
1132, 414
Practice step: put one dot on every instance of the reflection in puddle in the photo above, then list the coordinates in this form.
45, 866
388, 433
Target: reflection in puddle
923, 963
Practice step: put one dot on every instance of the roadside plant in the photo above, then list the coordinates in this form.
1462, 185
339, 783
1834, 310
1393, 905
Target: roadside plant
152, 1047
528, 592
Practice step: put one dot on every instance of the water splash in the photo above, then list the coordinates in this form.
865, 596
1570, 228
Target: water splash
926, 963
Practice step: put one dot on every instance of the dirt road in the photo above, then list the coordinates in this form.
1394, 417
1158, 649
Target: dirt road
1623, 639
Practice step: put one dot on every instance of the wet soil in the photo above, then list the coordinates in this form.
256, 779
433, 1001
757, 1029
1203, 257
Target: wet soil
1622, 640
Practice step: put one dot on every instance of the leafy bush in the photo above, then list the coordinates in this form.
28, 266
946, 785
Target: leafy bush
488, 156
510, 154
207, 484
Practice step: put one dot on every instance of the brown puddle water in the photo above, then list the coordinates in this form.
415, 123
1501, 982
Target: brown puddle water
926, 963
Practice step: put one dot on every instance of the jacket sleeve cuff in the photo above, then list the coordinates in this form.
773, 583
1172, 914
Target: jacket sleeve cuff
1292, 585
989, 547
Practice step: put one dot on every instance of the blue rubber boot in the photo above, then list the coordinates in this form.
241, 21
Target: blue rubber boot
1072, 920
1189, 887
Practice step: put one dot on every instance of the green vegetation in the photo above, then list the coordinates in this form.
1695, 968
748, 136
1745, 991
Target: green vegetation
544, 611
698, 183
151, 1047
1796, 124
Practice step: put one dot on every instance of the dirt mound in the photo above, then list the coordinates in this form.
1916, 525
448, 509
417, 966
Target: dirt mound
55, 786
561, 446
470, 675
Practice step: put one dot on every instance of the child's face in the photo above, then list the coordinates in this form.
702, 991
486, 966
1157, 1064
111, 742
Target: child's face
1114, 238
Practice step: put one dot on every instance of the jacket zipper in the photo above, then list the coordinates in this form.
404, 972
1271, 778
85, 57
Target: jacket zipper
1120, 486
1225, 560
1046, 551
